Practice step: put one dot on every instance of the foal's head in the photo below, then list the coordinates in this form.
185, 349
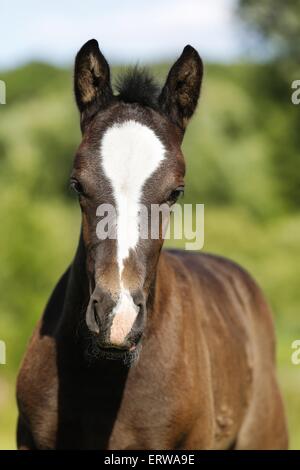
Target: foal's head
129, 156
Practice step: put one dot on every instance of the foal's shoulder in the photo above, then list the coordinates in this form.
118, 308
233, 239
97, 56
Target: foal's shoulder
220, 278
37, 377
210, 266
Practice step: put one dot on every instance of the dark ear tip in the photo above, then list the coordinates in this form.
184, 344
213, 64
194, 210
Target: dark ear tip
188, 48
192, 52
91, 45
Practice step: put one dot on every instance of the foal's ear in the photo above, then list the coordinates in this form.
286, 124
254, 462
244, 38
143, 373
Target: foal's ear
181, 91
91, 80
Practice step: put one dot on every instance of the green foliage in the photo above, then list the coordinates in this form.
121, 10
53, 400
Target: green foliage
33, 80
237, 148
277, 21
277, 24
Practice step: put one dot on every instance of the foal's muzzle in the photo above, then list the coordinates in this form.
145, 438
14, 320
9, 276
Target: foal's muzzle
118, 323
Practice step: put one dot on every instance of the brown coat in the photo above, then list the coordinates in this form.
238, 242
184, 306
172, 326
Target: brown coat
205, 378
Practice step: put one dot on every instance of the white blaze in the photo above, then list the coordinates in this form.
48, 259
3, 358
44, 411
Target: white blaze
130, 153
124, 315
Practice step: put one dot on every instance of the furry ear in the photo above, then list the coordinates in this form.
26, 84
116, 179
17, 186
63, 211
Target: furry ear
179, 96
91, 80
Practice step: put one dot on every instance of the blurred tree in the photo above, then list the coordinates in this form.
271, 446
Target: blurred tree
276, 21
277, 25
55, 155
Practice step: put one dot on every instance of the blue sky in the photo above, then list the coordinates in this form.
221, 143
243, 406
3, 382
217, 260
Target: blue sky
128, 31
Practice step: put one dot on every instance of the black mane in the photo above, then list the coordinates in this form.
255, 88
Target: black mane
137, 85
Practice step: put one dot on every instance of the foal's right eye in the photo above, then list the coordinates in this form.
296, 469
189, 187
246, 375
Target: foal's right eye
175, 194
76, 186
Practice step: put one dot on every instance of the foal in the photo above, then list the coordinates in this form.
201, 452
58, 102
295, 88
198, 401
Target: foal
138, 348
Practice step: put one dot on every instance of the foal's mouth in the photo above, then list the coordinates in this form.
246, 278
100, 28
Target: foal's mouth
126, 355
118, 351
128, 352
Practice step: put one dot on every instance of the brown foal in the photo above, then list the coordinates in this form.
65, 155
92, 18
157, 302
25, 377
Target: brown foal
140, 348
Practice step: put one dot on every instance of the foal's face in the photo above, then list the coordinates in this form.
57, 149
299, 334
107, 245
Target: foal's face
129, 158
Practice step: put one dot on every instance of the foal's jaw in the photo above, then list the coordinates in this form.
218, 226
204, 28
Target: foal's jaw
130, 154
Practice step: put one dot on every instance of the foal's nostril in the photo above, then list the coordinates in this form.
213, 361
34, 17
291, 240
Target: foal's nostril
96, 315
140, 315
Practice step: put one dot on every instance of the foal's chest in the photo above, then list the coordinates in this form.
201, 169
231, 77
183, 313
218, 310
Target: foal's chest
108, 412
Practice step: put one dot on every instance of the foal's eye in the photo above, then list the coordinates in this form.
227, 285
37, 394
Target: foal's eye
176, 194
76, 186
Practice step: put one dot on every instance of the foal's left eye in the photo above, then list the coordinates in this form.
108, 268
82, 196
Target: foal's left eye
76, 186
176, 194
